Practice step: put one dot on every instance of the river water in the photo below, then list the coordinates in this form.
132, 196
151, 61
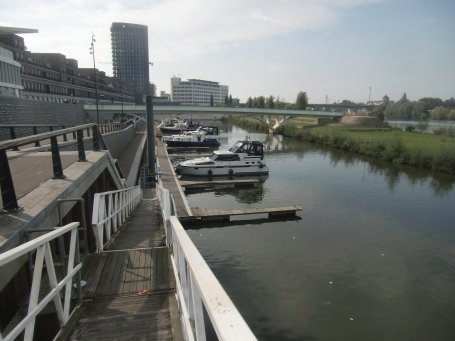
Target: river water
371, 256
432, 124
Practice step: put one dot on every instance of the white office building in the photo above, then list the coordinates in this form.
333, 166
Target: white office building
197, 92
10, 77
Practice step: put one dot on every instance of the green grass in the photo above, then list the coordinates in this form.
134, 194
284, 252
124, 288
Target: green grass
430, 151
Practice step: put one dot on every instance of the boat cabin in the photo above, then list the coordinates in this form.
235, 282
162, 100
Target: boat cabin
252, 148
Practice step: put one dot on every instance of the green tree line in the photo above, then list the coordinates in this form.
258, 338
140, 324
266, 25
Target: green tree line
271, 102
424, 108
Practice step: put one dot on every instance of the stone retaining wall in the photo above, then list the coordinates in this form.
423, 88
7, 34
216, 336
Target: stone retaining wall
26, 111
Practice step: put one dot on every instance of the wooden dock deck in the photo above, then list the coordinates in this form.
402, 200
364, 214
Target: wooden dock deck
219, 184
171, 183
129, 292
208, 214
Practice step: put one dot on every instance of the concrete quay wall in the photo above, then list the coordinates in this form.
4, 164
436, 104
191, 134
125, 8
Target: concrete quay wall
118, 140
25, 111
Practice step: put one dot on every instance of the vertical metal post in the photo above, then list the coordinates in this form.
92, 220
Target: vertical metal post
80, 145
150, 138
6, 183
88, 132
56, 161
96, 142
35, 132
74, 135
64, 135
13, 136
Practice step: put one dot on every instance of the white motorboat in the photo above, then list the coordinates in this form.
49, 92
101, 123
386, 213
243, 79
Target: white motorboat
244, 158
203, 136
178, 126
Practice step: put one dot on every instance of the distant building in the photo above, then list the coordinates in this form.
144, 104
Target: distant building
385, 100
10, 77
164, 94
197, 92
130, 56
54, 78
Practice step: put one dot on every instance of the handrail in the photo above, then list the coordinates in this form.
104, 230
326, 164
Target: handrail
44, 257
44, 136
197, 285
6, 181
110, 210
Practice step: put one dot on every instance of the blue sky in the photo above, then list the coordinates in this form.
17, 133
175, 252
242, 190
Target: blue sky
334, 48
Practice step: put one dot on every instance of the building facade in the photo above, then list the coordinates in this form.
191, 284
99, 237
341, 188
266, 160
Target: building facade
130, 56
10, 77
53, 77
197, 92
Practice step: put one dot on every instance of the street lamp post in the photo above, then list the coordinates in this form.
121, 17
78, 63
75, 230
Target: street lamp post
119, 75
92, 52
369, 98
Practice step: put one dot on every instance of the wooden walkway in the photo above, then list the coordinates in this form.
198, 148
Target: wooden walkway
171, 183
129, 294
208, 214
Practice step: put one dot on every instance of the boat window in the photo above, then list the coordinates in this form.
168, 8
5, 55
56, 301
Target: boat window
213, 157
205, 163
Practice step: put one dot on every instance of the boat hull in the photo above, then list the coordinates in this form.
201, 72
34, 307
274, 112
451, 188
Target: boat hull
222, 170
170, 130
186, 144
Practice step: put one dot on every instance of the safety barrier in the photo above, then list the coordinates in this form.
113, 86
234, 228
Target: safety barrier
110, 210
43, 258
197, 286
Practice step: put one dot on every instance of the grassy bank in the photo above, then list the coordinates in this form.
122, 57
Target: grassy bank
422, 150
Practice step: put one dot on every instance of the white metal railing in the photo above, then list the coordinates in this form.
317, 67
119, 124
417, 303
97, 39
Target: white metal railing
110, 210
197, 286
44, 257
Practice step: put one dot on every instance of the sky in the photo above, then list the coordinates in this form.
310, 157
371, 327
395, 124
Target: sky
335, 49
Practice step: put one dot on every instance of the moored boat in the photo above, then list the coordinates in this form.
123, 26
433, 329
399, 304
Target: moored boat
203, 136
244, 158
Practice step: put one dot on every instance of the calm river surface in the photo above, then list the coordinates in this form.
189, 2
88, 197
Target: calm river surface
371, 256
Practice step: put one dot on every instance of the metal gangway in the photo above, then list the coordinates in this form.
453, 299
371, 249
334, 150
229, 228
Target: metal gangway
191, 284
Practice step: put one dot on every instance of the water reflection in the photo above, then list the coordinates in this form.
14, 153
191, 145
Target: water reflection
442, 184
370, 256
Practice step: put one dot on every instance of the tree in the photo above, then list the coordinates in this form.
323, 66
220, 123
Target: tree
261, 102
269, 104
249, 102
302, 101
226, 100
439, 113
230, 100
211, 100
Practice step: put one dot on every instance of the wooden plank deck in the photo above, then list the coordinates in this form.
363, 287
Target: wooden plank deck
148, 317
208, 214
171, 183
129, 291
219, 183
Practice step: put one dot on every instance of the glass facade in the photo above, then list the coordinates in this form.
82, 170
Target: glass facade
130, 59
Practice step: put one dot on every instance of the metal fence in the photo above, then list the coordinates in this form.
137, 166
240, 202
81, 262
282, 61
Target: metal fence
197, 286
110, 210
43, 258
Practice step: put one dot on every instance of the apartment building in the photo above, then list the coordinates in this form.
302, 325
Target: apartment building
197, 92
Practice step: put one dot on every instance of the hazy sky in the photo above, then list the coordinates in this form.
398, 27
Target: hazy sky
334, 48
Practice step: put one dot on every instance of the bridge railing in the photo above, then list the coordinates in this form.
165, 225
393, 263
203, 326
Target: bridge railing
197, 286
110, 210
43, 258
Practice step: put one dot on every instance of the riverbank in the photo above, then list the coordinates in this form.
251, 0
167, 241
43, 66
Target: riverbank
429, 151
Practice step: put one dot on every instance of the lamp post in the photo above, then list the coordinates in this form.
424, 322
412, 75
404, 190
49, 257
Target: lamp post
369, 98
92, 52
119, 75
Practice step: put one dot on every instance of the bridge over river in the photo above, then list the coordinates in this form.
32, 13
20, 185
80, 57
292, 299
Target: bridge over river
261, 114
